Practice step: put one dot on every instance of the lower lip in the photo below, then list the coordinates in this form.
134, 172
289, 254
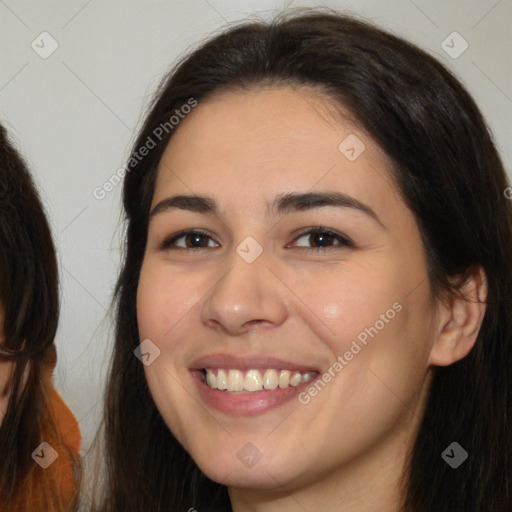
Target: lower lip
247, 404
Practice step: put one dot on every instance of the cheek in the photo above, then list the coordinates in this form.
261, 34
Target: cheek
373, 325
165, 309
164, 300
346, 302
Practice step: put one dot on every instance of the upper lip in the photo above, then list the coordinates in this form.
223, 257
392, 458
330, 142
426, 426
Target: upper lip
247, 362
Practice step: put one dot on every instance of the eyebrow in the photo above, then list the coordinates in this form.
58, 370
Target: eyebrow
283, 203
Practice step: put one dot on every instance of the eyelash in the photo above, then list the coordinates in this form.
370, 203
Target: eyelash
167, 244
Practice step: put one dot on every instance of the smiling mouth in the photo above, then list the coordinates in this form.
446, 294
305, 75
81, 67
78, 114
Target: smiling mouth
234, 381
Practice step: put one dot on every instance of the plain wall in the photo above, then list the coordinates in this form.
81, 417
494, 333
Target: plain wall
75, 113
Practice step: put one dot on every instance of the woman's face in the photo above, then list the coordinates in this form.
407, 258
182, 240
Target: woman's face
264, 303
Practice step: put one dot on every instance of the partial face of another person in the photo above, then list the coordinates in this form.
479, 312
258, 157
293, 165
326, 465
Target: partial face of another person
325, 306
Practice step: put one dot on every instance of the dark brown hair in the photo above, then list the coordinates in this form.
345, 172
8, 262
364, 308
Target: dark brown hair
450, 175
29, 297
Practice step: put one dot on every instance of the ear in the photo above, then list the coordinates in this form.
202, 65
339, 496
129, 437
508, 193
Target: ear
459, 321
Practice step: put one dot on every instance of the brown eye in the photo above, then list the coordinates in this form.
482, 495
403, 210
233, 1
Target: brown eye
322, 239
194, 239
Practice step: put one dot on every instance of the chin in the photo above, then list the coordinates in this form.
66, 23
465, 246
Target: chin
235, 469
255, 478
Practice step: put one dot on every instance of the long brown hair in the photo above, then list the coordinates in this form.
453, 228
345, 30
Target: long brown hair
29, 297
449, 173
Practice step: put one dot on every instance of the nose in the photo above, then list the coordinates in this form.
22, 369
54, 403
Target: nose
246, 296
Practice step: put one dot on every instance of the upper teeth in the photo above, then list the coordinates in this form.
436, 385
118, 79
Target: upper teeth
235, 380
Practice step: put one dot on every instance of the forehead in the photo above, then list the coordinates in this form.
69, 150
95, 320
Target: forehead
247, 147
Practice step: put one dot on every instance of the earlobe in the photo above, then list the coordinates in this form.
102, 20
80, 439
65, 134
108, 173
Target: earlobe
460, 321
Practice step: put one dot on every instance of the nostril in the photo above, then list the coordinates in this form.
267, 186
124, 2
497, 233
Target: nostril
251, 322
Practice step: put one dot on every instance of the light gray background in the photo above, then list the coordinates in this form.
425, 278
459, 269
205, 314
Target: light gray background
75, 113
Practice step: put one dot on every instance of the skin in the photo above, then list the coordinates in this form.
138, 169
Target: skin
6, 368
345, 449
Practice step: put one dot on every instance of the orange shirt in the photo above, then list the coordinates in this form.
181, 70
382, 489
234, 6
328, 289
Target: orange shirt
53, 488
70, 437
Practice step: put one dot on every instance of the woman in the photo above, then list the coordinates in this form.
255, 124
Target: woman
39, 436
317, 270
